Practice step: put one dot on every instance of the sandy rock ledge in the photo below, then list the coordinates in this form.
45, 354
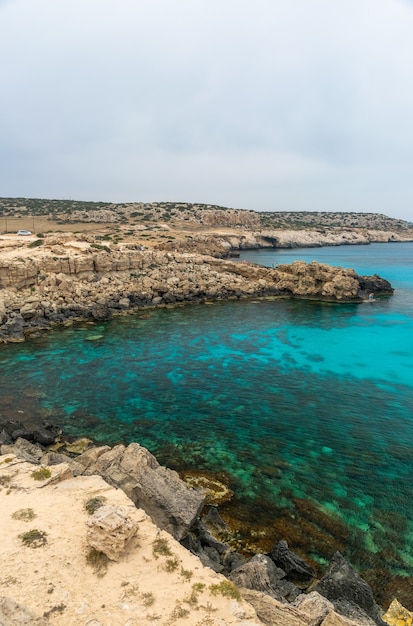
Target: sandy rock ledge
77, 551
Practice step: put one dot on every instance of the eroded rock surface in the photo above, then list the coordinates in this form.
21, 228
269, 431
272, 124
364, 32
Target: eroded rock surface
110, 528
171, 504
39, 289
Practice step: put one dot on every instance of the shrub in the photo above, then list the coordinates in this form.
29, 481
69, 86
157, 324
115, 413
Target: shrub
41, 474
225, 588
34, 538
161, 546
148, 598
171, 564
98, 560
93, 504
25, 515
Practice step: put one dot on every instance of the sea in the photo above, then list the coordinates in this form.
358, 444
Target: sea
303, 409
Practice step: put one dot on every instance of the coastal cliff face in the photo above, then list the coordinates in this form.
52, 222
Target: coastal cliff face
75, 279
221, 243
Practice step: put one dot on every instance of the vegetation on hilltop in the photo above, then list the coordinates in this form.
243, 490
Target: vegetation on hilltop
75, 211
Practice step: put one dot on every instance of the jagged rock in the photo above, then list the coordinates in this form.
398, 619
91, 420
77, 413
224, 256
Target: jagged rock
23, 449
14, 614
214, 559
207, 539
370, 284
194, 545
109, 530
213, 521
171, 504
90, 456
349, 593
261, 574
46, 435
294, 566
232, 561
22, 433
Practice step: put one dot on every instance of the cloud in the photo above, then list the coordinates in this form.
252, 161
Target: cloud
268, 105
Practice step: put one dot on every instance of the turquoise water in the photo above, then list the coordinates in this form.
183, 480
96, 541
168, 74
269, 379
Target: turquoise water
297, 404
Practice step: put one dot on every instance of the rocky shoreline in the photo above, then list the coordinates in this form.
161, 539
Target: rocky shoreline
281, 587
72, 278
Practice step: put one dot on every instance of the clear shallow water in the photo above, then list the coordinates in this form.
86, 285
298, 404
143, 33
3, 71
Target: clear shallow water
297, 403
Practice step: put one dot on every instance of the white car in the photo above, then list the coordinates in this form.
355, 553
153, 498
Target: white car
24, 232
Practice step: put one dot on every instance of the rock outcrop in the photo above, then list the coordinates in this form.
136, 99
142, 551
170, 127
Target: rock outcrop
279, 595
45, 290
350, 594
171, 504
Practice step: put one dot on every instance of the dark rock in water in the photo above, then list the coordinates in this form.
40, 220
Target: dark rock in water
261, 574
207, 539
214, 521
232, 561
348, 591
13, 328
44, 436
101, 312
369, 284
294, 566
22, 433
11, 430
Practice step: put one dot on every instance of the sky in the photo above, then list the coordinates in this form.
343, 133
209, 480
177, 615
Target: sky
270, 105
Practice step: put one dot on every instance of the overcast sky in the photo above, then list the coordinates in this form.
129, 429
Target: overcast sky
260, 104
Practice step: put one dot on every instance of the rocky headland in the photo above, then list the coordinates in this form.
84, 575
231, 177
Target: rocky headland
76, 277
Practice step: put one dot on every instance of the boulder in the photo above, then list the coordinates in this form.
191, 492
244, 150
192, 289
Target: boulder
23, 449
349, 593
294, 566
109, 530
261, 574
46, 434
172, 505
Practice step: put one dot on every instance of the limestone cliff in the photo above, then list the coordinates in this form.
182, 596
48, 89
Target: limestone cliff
64, 281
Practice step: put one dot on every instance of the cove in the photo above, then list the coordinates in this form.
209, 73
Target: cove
304, 408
